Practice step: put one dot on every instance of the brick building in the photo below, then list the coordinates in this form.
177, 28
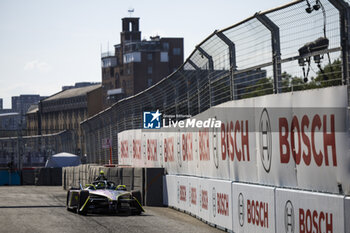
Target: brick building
136, 64
64, 111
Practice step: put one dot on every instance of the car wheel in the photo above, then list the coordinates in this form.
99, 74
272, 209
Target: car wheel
83, 195
67, 202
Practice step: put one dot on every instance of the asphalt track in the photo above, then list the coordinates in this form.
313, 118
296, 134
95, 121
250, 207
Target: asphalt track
42, 209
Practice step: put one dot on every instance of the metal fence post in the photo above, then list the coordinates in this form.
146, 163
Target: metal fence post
344, 13
276, 51
163, 97
233, 65
197, 82
187, 92
211, 68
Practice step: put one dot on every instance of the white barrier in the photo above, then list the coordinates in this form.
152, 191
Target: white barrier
169, 191
237, 140
193, 195
220, 203
347, 214
204, 199
304, 212
181, 192
293, 140
253, 208
242, 207
208, 199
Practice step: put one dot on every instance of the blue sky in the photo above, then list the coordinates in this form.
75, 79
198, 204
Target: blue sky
46, 44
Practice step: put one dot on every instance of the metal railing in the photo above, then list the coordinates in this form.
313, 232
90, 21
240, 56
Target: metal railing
108, 54
290, 48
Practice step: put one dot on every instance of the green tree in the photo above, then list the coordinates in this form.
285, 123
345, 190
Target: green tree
330, 75
262, 87
290, 83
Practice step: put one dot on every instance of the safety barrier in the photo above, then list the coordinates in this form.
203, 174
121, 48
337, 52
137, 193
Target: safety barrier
31, 176
9, 177
48, 176
304, 146
242, 207
28, 176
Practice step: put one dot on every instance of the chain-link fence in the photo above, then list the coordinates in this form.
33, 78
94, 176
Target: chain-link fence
33, 151
301, 45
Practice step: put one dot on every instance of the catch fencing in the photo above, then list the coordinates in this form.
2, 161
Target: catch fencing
299, 46
33, 151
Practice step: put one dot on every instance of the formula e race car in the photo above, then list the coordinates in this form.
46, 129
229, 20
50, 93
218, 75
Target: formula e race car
103, 196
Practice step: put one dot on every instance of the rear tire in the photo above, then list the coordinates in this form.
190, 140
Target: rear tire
137, 212
67, 202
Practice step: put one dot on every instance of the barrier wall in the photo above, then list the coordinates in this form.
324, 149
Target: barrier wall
48, 176
253, 208
207, 199
347, 214
240, 207
296, 140
9, 177
300, 211
28, 176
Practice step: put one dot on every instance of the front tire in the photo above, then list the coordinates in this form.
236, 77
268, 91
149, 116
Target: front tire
83, 196
69, 208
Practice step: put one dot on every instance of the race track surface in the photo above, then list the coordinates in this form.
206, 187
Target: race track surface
42, 209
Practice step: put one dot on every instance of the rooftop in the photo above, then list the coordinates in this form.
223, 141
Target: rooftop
72, 93
33, 109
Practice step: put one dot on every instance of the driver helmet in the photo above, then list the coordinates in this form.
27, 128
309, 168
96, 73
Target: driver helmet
102, 172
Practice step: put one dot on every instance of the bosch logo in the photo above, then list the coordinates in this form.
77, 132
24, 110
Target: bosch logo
265, 139
203, 199
214, 202
193, 193
289, 222
241, 209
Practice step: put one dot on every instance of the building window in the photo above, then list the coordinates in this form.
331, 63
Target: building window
149, 82
164, 57
176, 51
132, 57
149, 56
166, 45
149, 70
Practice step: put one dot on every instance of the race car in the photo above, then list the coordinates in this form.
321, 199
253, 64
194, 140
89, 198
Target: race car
103, 196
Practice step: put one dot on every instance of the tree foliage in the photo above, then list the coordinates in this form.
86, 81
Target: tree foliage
329, 75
